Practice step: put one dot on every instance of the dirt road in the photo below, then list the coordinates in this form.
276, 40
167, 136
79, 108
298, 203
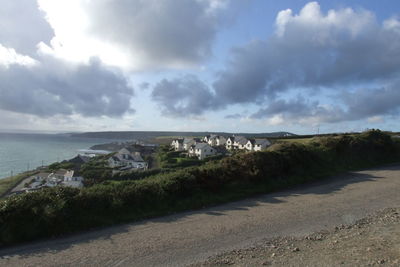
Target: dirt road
191, 237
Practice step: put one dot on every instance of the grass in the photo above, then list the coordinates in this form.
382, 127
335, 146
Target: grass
9, 183
295, 140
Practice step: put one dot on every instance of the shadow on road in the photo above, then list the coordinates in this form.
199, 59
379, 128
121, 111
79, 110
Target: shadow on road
331, 185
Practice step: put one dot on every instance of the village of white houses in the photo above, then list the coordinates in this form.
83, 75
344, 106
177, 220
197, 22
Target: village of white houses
129, 157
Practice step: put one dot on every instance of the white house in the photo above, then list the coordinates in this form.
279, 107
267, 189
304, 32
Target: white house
177, 144
188, 142
236, 142
42, 176
240, 142
216, 140
257, 144
202, 150
229, 142
208, 137
76, 181
127, 160
261, 144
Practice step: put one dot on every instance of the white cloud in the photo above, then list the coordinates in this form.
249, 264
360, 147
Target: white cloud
376, 119
9, 56
133, 34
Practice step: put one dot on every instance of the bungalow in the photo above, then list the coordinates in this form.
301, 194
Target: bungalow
42, 176
75, 182
60, 174
58, 177
201, 151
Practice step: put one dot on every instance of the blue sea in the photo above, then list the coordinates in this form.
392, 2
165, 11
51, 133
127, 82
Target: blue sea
20, 152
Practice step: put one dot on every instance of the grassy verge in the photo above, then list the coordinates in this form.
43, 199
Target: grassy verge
7, 184
56, 211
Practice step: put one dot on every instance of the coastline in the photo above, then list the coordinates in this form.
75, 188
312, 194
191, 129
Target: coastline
24, 152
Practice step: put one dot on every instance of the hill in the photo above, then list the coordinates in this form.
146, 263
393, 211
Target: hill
144, 135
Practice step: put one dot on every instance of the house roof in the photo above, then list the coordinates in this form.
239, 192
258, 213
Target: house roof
43, 174
61, 172
79, 159
137, 157
261, 141
201, 146
241, 140
115, 158
188, 140
215, 137
128, 157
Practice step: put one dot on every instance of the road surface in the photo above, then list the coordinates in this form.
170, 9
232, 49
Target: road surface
191, 237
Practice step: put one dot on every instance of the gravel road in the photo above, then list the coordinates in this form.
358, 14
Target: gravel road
191, 237
372, 241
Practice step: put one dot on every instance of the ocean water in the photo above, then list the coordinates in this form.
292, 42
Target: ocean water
20, 152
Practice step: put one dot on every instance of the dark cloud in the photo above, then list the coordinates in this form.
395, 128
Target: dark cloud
158, 33
299, 106
349, 106
373, 102
55, 87
181, 97
23, 26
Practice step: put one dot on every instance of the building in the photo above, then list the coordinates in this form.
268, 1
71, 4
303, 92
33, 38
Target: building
127, 159
257, 144
202, 150
236, 142
75, 182
177, 144
60, 177
188, 142
216, 140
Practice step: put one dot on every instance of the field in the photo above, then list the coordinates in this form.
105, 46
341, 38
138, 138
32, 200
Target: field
294, 140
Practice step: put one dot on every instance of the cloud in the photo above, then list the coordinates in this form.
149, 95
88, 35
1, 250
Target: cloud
182, 97
234, 116
365, 103
22, 26
312, 50
8, 56
136, 33
310, 54
52, 87
144, 85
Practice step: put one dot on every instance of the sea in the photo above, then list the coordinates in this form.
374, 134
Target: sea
20, 152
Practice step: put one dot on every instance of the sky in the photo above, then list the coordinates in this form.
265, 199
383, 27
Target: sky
199, 65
